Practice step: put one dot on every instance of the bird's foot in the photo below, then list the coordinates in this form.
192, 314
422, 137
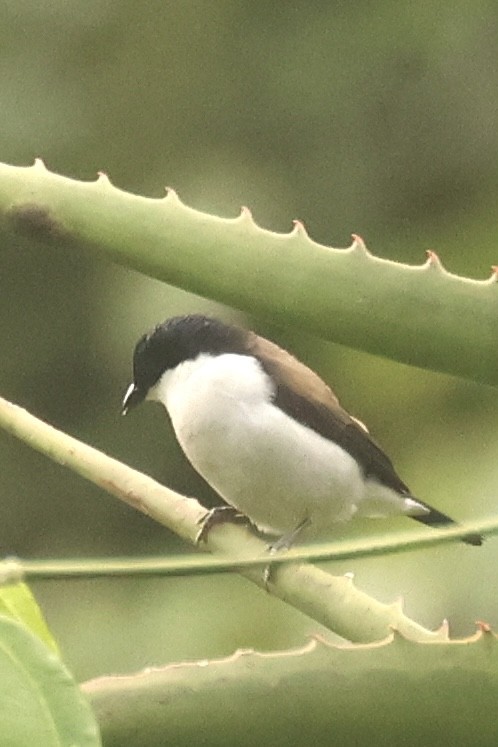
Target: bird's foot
218, 515
284, 542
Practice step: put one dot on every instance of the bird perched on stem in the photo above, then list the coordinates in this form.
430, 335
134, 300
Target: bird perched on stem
266, 432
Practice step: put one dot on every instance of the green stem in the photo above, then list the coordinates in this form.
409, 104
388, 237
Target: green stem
193, 565
333, 601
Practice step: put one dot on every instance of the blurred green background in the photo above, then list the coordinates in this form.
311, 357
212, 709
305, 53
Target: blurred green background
374, 118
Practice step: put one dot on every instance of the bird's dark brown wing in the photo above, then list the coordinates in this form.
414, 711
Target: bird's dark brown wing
303, 395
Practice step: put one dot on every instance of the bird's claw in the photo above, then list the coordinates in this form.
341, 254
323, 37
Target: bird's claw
218, 515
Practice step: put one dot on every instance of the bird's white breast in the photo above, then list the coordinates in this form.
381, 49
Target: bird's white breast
272, 468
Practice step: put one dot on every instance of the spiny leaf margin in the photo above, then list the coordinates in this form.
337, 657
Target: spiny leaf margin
410, 693
421, 315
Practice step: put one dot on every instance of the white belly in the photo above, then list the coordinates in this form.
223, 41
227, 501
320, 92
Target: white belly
270, 467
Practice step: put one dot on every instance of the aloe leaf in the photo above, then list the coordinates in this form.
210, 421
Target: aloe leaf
395, 692
420, 315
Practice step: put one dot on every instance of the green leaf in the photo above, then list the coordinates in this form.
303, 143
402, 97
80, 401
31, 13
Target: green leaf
393, 692
40, 704
18, 603
421, 315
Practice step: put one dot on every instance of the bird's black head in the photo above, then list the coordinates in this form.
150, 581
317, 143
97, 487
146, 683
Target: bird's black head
176, 340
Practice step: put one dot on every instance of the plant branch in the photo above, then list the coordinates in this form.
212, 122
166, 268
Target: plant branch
13, 569
334, 601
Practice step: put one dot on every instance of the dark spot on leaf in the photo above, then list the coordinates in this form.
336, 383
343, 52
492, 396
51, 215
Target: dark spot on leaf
35, 221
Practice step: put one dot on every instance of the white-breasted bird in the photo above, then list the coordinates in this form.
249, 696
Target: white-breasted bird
266, 432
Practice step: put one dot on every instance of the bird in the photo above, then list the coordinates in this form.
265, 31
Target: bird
267, 433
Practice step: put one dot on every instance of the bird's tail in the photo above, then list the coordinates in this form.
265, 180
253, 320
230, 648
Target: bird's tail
437, 519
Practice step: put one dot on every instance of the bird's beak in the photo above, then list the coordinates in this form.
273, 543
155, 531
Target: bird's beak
132, 398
